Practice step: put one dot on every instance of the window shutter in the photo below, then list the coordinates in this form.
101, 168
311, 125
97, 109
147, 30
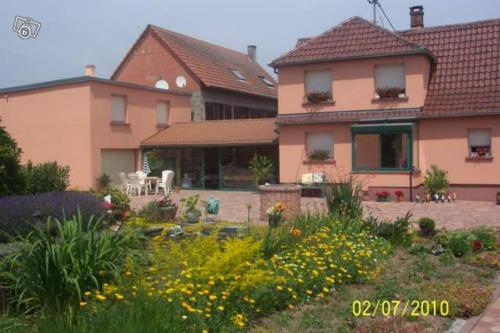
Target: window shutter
162, 113
118, 108
479, 138
320, 141
318, 81
390, 76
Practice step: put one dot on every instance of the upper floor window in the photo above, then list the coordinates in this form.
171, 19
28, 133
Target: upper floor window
238, 74
318, 86
390, 81
319, 146
162, 113
480, 143
118, 108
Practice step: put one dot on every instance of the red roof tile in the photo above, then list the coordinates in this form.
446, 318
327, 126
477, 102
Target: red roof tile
354, 38
212, 64
219, 132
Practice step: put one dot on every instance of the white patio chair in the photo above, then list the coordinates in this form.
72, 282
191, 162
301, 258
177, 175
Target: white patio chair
167, 177
142, 179
134, 184
125, 183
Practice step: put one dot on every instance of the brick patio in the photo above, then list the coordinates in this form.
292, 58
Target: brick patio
456, 215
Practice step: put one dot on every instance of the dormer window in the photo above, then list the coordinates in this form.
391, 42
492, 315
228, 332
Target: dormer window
238, 74
390, 81
266, 81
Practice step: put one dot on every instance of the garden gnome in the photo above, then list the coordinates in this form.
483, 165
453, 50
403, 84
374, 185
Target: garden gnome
427, 197
454, 197
449, 197
107, 203
417, 198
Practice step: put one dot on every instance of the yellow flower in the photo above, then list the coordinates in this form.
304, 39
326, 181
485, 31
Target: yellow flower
280, 288
119, 297
82, 304
87, 293
291, 306
220, 308
100, 297
212, 297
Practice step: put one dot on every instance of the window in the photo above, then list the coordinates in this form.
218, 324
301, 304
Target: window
267, 81
238, 74
319, 146
382, 148
480, 143
162, 113
118, 108
390, 80
318, 82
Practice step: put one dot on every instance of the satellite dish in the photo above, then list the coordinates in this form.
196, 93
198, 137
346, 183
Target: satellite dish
180, 81
161, 84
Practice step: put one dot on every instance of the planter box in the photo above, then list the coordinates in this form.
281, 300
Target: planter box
383, 199
167, 213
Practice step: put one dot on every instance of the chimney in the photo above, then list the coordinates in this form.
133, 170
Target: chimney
90, 70
252, 52
417, 17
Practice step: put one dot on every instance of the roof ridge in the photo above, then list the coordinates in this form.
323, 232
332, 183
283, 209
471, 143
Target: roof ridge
198, 40
450, 26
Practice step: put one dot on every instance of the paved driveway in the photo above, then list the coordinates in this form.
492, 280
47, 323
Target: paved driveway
455, 215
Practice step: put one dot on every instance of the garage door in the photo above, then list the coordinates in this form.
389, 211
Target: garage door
116, 161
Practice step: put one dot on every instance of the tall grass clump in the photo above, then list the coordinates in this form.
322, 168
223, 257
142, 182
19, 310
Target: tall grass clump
56, 264
344, 199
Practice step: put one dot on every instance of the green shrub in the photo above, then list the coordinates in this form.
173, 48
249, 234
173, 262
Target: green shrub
262, 168
103, 181
427, 226
396, 232
12, 178
436, 180
46, 177
418, 249
460, 243
119, 200
149, 212
487, 236
344, 199
53, 272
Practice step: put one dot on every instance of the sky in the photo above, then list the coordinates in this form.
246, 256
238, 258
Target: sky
100, 32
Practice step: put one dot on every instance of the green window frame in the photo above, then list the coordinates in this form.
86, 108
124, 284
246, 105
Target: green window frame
380, 129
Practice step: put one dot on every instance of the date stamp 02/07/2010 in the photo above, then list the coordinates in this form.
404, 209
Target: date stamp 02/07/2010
393, 308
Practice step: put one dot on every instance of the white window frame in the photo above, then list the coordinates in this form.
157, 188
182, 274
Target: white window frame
472, 131
167, 113
330, 138
123, 119
379, 71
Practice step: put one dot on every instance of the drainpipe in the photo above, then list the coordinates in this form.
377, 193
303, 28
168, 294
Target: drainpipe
411, 184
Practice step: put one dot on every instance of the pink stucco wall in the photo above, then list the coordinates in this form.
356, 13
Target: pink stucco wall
353, 85
71, 123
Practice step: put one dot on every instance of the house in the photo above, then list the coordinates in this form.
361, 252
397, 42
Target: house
233, 103
93, 125
381, 106
194, 107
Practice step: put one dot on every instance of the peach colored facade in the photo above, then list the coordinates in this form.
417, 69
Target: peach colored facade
71, 123
439, 141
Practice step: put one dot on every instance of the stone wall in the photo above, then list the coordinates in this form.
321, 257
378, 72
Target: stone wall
289, 195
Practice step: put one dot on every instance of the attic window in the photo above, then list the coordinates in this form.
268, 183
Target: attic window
266, 81
238, 74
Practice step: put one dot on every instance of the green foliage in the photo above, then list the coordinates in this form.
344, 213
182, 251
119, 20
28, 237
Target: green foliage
427, 226
319, 155
460, 243
150, 212
103, 181
191, 204
53, 271
261, 167
46, 177
436, 180
12, 179
344, 199
396, 232
416, 249
487, 236
119, 200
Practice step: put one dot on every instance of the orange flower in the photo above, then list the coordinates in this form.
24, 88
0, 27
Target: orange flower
296, 232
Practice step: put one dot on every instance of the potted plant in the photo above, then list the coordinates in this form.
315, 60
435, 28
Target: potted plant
399, 195
316, 97
498, 198
435, 182
275, 214
319, 155
390, 92
191, 211
167, 208
261, 167
383, 196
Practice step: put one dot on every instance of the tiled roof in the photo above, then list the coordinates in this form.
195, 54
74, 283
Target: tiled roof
354, 38
218, 132
346, 116
467, 74
212, 64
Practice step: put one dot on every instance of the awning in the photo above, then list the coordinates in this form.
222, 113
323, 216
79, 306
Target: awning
216, 133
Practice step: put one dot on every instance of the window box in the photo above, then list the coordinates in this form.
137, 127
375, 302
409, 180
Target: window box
390, 92
318, 97
399, 99
327, 161
119, 123
479, 159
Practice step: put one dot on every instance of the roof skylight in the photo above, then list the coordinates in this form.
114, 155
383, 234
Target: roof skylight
238, 74
267, 81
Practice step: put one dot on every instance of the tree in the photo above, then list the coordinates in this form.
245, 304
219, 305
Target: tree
261, 167
12, 180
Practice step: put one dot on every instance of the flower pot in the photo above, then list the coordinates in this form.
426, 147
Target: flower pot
383, 199
192, 217
167, 213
